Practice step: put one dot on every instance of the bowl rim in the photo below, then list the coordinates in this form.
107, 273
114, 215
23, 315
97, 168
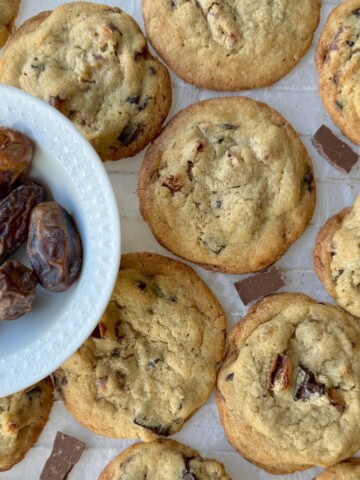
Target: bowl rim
23, 368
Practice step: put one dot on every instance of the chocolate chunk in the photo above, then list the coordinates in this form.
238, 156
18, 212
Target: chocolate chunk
65, 454
230, 377
172, 183
133, 100
307, 387
279, 372
158, 429
259, 285
336, 152
129, 134
141, 285
350, 43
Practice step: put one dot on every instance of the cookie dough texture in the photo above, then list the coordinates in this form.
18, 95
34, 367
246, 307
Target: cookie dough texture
338, 64
348, 470
22, 419
154, 361
232, 44
288, 390
337, 257
8, 12
228, 184
91, 62
163, 460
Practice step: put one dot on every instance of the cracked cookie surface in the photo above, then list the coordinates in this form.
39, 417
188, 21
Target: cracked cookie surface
348, 470
152, 361
338, 64
231, 44
92, 63
337, 257
22, 418
288, 391
8, 12
163, 460
227, 184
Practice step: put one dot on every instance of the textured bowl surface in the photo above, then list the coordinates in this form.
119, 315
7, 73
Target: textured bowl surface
65, 163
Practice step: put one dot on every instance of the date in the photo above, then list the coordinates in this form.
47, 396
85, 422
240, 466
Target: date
17, 290
54, 247
15, 211
16, 152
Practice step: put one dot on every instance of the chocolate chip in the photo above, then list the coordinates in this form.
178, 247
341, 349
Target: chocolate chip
339, 105
158, 429
200, 147
141, 55
218, 203
33, 392
189, 170
336, 152
133, 100
357, 12
173, 298
309, 179
230, 377
152, 71
153, 363
172, 183
129, 134
172, 4
141, 285
220, 140
279, 372
65, 454
259, 285
307, 387
96, 332
113, 27
214, 246
350, 43
337, 276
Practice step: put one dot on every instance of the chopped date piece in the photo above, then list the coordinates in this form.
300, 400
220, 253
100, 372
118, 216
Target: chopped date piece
65, 454
158, 429
15, 211
16, 152
172, 183
54, 247
279, 373
17, 290
307, 387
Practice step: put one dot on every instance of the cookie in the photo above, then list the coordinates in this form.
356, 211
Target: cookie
338, 65
228, 184
8, 12
163, 460
22, 419
92, 63
152, 361
231, 45
348, 470
288, 391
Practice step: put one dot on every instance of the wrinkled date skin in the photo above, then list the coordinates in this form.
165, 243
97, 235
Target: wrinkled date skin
15, 211
17, 290
54, 247
16, 152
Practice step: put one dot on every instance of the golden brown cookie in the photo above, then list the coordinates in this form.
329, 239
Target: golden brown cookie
289, 388
231, 44
337, 257
152, 361
92, 63
228, 184
8, 12
22, 419
348, 470
338, 64
163, 460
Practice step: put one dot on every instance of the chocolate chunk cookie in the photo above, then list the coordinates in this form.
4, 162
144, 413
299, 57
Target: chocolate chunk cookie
289, 388
92, 63
8, 12
348, 470
338, 64
151, 363
231, 44
163, 460
22, 418
228, 184
337, 257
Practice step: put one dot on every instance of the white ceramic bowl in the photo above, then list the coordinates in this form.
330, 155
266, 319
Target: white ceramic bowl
66, 164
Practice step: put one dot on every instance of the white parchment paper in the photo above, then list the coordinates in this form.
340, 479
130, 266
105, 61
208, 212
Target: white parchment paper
295, 97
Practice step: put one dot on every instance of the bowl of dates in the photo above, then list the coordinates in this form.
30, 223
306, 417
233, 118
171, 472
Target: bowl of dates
59, 239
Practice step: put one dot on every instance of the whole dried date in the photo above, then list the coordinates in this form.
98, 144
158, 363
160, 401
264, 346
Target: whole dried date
16, 152
15, 212
17, 290
54, 247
